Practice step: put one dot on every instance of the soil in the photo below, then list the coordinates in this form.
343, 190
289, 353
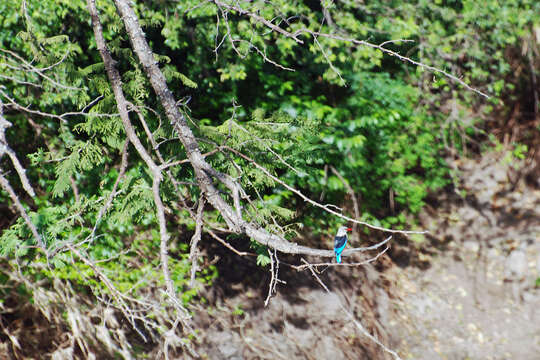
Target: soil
467, 291
479, 299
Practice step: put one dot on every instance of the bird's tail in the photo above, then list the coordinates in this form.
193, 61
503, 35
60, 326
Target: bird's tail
338, 258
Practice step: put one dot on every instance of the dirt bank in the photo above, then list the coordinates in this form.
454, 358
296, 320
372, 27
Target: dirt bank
466, 292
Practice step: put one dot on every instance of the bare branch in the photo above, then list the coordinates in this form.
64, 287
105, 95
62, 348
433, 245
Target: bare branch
116, 84
5, 149
274, 272
365, 262
186, 161
147, 130
13, 104
203, 171
399, 56
194, 252
259, 19
313, 202
316, 41
227, 245
120, 298
316, 34
28, 67
108, 203
7, 187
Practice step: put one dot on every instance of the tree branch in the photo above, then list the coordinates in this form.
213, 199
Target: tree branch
194, 251
5, 149
7, 187
116, 84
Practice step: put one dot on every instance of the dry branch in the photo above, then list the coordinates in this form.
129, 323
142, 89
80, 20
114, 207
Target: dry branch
116, 84
304, 31
194, 251
5, 149
7, 187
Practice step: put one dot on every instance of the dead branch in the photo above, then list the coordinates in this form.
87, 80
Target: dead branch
365, 262
108, 203
226, 244
315, 34
313, 202
28, 67
259, 19
120, 298
5, 149
13, 104
116, 84
274, 272
7, 187
194, 252
203, 171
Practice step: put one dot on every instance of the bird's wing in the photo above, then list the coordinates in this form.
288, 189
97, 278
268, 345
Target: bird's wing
340, 241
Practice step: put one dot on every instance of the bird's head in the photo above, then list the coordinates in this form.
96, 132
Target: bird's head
342, 231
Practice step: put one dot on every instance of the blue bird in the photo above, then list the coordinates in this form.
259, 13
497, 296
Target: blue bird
340, 241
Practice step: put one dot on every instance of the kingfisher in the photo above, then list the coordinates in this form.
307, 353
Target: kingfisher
340, 241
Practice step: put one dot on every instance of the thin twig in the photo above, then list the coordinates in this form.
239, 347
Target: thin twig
313, 202
194, 252
227, 245
365, 262
5, 149
297, 33
108, 203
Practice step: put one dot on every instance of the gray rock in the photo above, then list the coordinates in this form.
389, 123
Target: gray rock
515, 265
227, 346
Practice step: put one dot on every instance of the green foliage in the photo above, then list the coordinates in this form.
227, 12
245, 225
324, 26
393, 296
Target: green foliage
238, 311
263, 258
346, 109
128, 270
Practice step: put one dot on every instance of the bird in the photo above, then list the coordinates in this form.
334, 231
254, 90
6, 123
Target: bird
340, 241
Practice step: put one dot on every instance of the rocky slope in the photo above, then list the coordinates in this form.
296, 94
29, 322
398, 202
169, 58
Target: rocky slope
466, 292
480, 297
